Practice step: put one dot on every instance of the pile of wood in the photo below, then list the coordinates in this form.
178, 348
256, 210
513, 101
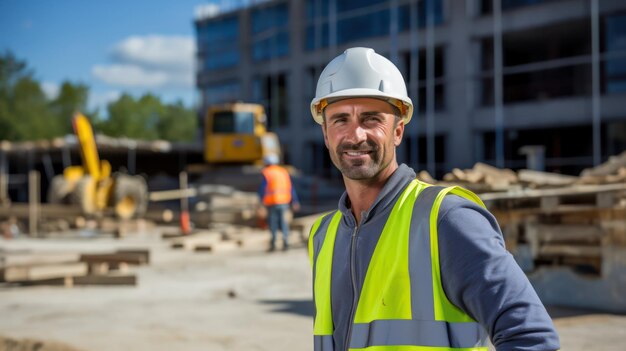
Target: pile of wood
612, 171
223, 237
485, 178
570, 226
69, 269
553, 220
214, 204
481, 178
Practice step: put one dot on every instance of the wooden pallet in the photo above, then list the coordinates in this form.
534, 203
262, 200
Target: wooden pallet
69, 269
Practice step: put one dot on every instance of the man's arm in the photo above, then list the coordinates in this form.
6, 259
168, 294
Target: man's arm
262, 187
482, 278
295, 201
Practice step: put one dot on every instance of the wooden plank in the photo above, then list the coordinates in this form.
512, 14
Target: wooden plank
144, 253
111, 279
549, 202
545, 178
102, 280
567, 191
610, 167
496, 174
20, 210
191, 241
38, 272
217, 246
114, 258
570, 250
569, 233
32, 258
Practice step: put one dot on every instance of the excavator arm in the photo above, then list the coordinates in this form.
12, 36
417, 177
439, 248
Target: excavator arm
92, 165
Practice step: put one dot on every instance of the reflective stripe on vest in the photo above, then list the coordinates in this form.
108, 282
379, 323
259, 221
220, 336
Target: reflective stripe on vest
278, 188
402, 305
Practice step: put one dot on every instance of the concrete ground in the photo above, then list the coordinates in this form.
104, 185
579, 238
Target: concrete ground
242, 300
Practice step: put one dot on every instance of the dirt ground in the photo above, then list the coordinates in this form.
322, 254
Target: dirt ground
242, 300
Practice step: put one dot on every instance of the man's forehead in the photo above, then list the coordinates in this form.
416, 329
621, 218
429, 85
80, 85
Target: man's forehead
359, 105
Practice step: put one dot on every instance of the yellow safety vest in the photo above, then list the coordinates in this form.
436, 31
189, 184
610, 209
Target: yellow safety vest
394, 311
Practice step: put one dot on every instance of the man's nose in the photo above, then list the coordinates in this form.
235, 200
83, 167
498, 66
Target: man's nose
356, 134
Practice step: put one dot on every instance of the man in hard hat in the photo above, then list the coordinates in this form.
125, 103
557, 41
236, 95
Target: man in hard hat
277, 194
403, 265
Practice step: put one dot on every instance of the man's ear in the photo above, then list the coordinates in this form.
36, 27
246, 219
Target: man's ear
398, 132
324, 132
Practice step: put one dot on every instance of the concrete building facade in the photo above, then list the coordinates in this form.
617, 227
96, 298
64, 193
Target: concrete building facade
488, 77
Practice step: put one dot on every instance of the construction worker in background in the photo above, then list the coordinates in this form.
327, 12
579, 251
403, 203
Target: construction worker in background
277, 194
400, 265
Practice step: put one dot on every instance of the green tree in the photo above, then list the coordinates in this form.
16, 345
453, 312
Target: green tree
149, 119
24, 113
178, 123
72, 97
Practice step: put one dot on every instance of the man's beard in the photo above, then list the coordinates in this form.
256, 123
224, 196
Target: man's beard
359, 169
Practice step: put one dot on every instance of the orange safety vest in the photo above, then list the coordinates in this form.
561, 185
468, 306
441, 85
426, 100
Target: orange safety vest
278, 189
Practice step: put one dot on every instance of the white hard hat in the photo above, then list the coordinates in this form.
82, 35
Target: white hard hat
270, 160
361, 72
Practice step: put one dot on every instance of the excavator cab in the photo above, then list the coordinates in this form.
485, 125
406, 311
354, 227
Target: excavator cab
235, 134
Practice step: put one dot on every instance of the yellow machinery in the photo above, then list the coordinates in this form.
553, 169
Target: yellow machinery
91, 185
235, 134
235, 143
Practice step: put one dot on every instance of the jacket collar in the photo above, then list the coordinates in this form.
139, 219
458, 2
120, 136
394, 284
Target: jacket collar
395, 184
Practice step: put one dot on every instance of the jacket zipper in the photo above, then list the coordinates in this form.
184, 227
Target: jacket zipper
353, 280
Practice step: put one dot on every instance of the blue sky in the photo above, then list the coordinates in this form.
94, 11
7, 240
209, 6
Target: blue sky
114, 46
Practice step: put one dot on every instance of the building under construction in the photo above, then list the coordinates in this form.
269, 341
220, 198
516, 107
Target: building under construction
487, 77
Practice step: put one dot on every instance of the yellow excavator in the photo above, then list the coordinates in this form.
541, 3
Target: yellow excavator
235, 133
92, 186
236, 141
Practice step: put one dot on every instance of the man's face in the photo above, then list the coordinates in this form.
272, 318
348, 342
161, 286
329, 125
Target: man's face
361, 136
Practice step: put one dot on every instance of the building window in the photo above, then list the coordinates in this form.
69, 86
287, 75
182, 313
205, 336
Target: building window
615, 49
272, 92
568, 150
218, 42
373, 24
311, 76
439, 81
405, 14
358, 20
540, 63
221, 92
419, 152
486, 6
270, 32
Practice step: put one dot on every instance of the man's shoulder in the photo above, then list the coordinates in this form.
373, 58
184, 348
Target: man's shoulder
456, 198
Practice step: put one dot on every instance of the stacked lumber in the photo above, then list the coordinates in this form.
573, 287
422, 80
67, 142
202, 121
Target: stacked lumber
570, 226
228, 238
612, 171
69, 269
482, 178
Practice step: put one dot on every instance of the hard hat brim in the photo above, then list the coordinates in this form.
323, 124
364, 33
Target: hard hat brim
317, 111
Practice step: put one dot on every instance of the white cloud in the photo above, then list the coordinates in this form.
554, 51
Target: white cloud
150, 62
174, 52
51, 89
134, 76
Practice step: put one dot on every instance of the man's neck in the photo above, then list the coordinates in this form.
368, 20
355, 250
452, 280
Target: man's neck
363, 193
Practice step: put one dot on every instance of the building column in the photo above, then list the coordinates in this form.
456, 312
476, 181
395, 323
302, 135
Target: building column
458, 69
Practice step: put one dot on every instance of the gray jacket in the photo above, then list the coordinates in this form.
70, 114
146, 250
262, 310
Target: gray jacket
478, 275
